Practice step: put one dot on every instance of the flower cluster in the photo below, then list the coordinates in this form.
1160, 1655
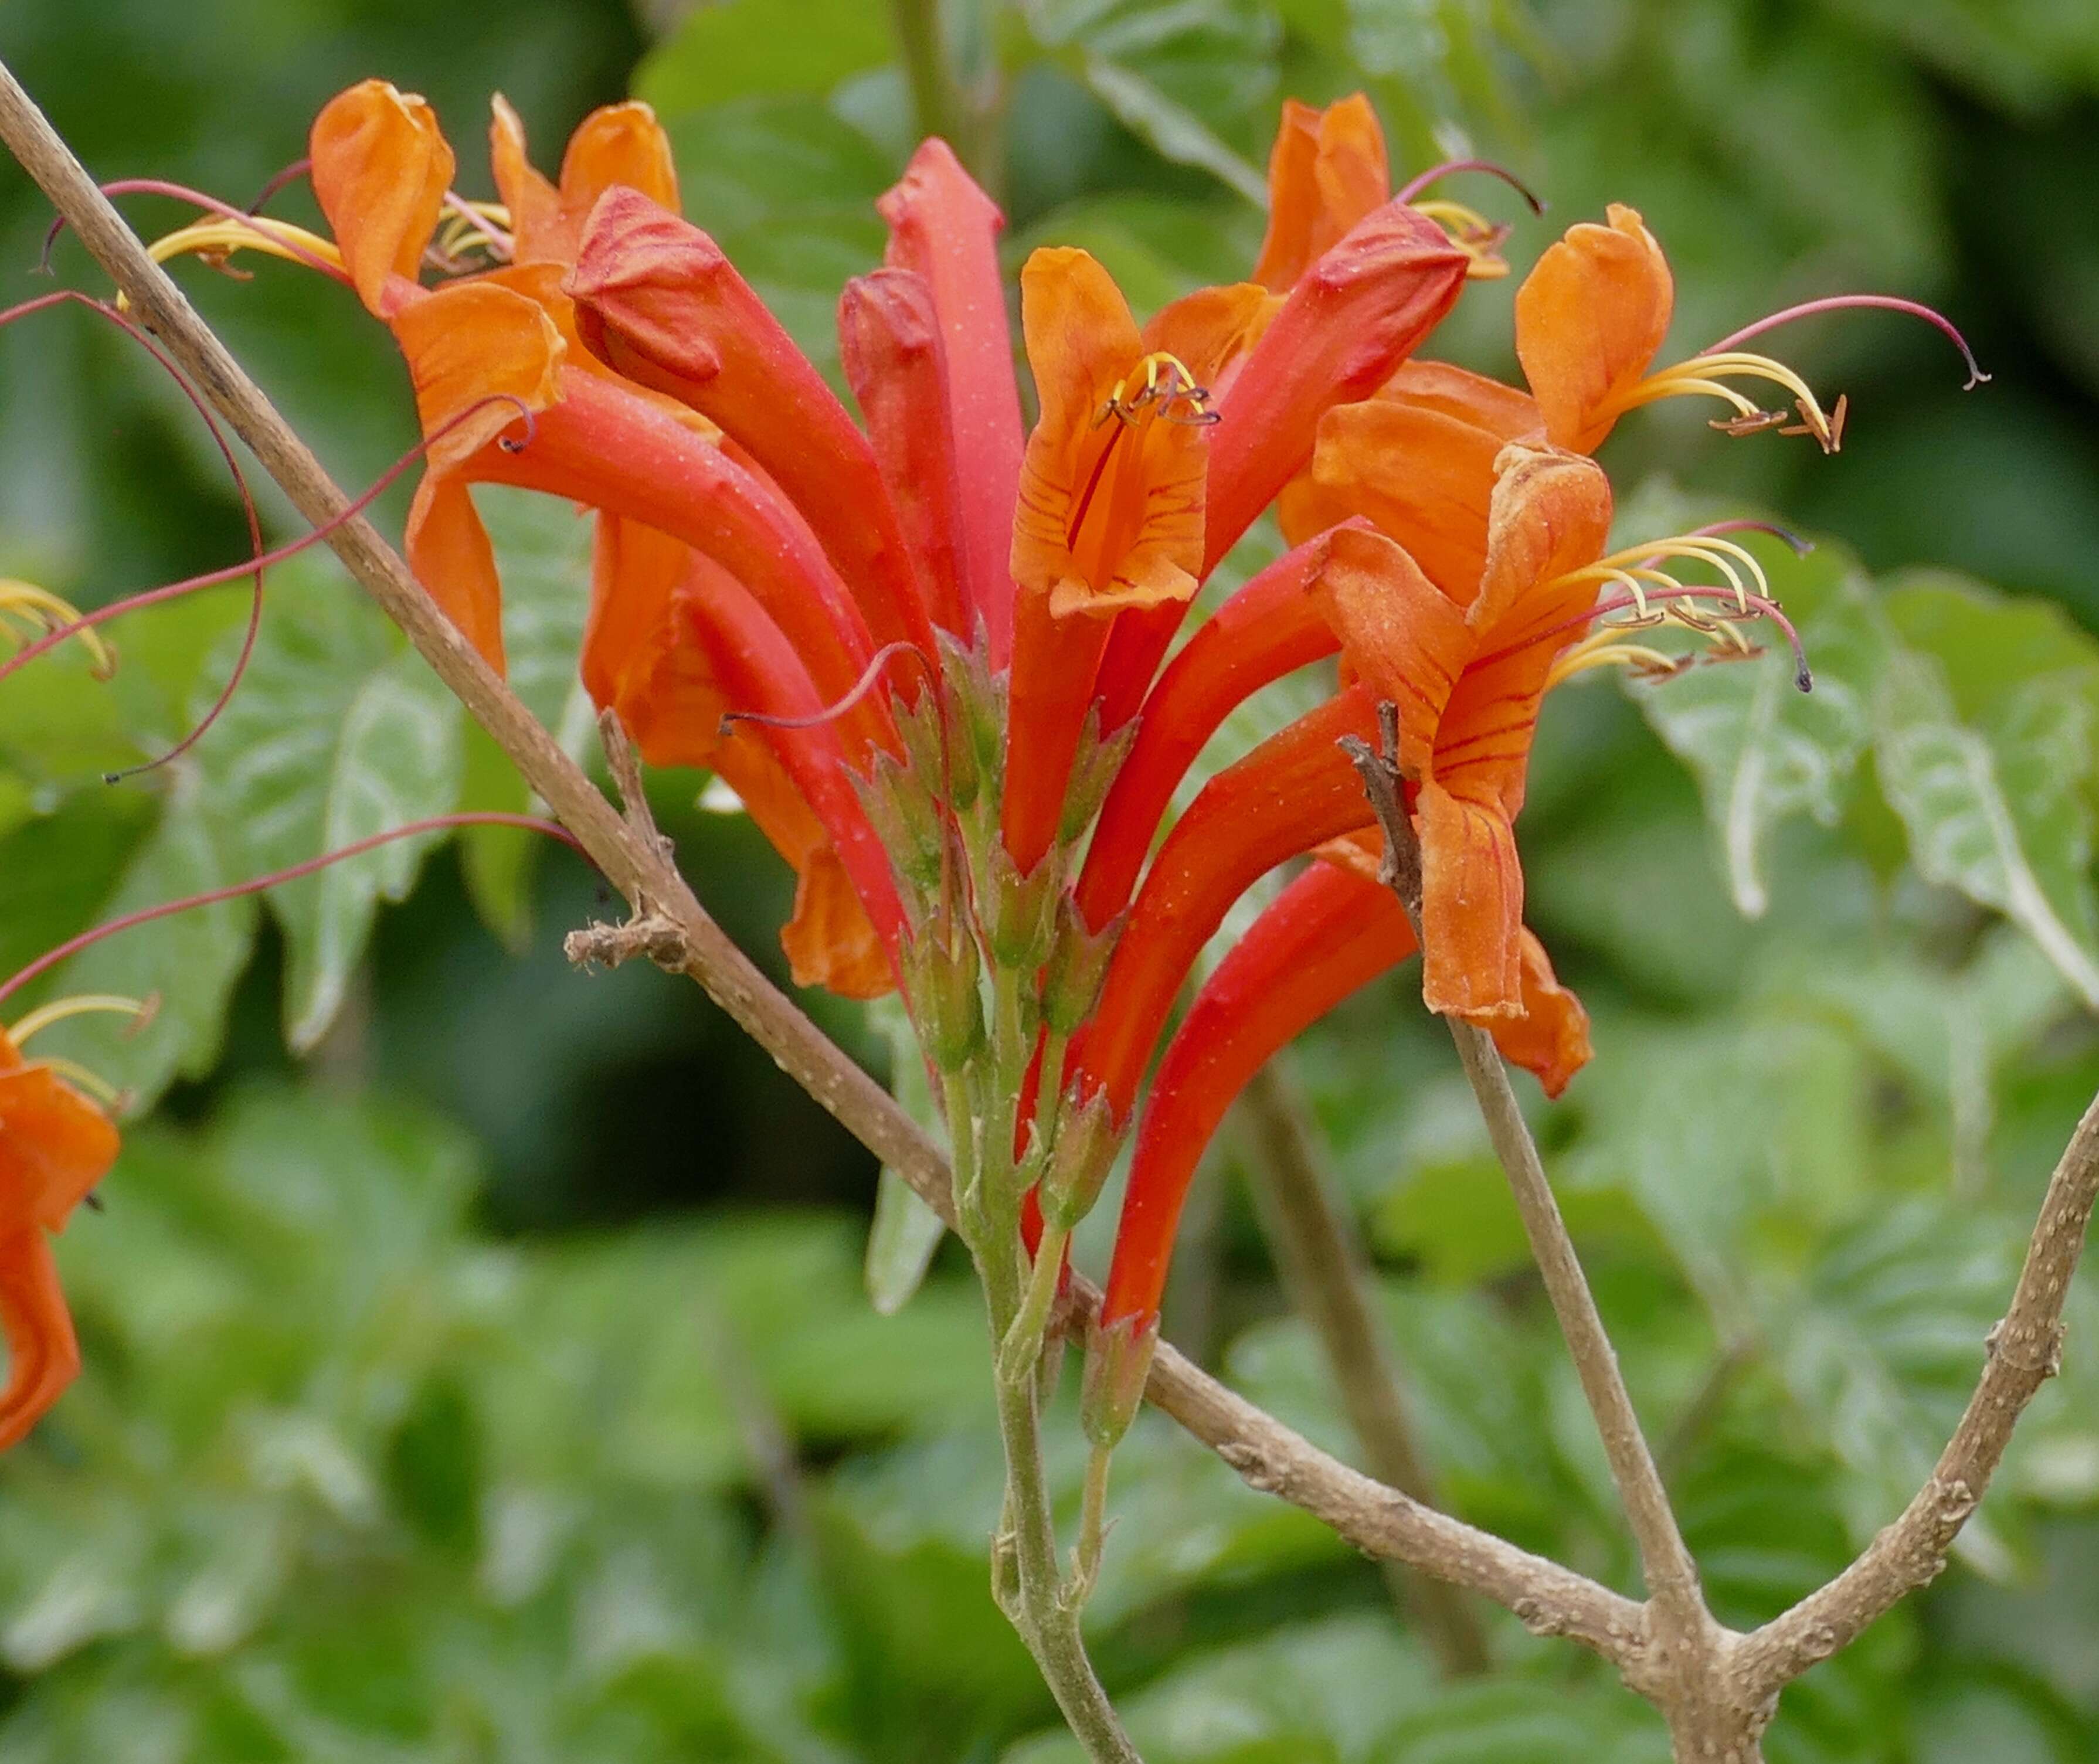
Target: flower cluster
929, 649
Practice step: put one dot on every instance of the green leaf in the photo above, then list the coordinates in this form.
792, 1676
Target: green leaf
1171, 130
1763, 751
734, 49
188, 960
1997, 812
337, 733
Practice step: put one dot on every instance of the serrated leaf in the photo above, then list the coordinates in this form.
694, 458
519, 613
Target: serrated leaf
338, 732
1997, 812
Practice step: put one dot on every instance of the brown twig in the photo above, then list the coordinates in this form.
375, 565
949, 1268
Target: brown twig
1323, 1270
2022, 1352
1379, 1520
1690, 1646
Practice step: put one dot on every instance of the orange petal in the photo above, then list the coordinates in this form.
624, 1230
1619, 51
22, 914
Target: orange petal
55, 1145
1550, 1035
1326, 172
381, 167
1589, 318
829, 941
1407, 641
1551, 516
634, 570
471, 342
43, 1356
448, 548
1211, 331
534, 202
1471, 905
1479, 399
1425, 478
1110, 513
619, 144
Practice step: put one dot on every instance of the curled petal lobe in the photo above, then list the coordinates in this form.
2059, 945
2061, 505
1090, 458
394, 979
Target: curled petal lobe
1424, 478
1213, 330
471, 342
381, 167
43, 1356
448, 548
1326, 172
1478, 399
1110, 510
1406, 640
829, 941
620, 144
1551, 516
1589, 317
534, 202
944, 228
1471, 905
1549, 1038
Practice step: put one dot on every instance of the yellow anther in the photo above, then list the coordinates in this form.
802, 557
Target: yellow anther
1472, 233
1706, 376
41, 609
1608, 649
86, 1004
1166, 381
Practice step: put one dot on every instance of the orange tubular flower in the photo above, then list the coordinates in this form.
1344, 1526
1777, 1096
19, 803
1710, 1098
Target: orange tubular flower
55, 1145
1468, 681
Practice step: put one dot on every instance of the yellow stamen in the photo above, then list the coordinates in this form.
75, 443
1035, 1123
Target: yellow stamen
86, 1004
41, 609
82, 1079
217, 237
1704, 376
1167, 381
1608, 649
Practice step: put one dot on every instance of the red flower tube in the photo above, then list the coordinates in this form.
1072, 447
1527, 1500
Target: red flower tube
657, 301
1295, 790
1270, 628
889, 341
1332, 931
942, 225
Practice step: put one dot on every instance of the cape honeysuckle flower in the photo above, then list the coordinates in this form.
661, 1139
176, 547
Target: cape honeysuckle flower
56, 1145
653, 469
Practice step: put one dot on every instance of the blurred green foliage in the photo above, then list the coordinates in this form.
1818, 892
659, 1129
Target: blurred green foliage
425, 1418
